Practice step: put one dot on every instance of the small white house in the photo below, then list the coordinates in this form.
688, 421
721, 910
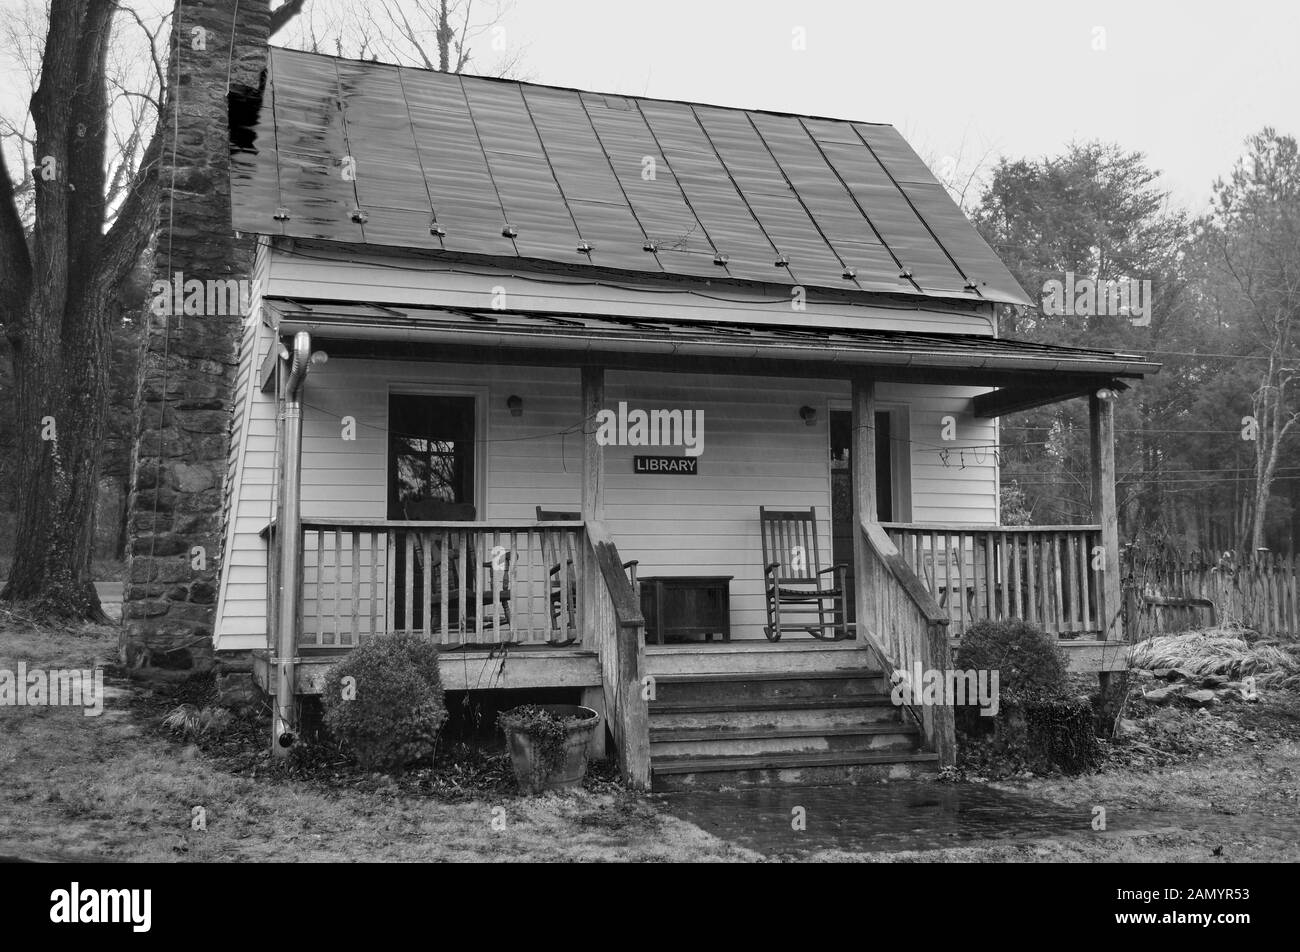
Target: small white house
524, 365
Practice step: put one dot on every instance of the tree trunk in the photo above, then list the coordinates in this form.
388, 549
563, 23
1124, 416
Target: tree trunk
61, 398
57, 305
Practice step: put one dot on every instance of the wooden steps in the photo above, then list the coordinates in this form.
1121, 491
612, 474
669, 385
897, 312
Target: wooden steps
737, 717
753, 656
770, 685
703, 742
711, 773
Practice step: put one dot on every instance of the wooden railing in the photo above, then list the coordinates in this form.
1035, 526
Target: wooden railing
453, 582
905, 628
612, 617
1050, 576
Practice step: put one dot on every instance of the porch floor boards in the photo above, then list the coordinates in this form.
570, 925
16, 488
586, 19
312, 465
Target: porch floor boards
476, 667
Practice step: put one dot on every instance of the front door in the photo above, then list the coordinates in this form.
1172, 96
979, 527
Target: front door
842, 489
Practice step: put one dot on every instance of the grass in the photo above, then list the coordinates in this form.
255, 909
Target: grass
117, 786
121, 787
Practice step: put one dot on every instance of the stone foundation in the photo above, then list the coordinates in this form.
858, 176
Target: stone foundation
236, 687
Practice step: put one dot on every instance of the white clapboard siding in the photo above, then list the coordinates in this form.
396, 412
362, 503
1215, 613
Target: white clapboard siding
948, 493
757, 451
303, 273
242, 484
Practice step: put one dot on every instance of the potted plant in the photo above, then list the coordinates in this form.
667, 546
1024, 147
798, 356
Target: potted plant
548, 744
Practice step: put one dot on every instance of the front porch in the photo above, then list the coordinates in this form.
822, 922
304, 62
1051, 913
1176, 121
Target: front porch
549, 604
359, 578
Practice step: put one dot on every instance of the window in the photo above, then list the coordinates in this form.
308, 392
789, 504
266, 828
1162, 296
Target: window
430, 450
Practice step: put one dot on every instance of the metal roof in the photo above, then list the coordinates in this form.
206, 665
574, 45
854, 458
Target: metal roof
468, 328
377, 154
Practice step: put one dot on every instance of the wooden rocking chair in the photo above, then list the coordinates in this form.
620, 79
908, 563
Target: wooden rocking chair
564, 599
796, 585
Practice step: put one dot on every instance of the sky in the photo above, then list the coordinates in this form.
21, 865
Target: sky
1183, 81
965, 82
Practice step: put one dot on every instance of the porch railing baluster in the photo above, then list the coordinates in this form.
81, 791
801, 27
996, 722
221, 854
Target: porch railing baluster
1042, 574
338, 583
356, 584
444, 589
426, 582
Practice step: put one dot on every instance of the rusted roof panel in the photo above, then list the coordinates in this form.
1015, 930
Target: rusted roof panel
376, 154
771, 198
720, 207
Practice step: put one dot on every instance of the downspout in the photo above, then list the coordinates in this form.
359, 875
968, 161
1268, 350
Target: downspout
284, 723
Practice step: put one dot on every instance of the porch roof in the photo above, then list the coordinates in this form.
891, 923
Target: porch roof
1029, 373
380, 155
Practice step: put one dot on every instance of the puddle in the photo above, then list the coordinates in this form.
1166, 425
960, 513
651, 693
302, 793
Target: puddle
921, 816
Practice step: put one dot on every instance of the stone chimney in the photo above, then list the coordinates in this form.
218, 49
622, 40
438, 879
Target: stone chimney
187, 371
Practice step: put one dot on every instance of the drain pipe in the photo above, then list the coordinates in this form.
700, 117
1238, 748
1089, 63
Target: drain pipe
284, 729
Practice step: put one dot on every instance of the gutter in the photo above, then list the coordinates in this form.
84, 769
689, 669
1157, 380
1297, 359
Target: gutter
284, 723
421, 332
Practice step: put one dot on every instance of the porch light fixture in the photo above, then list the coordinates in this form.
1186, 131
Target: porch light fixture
808, 415
516, 405
319, 358
1105, 394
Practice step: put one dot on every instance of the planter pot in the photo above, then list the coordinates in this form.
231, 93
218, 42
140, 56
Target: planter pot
526, 754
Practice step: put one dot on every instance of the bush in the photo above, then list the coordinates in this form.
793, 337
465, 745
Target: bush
393, 710
191, 722
1030, 665
1039, 725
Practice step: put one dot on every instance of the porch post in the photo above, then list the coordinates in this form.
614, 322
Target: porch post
593, 510
862, 458
593, 454
1101, 420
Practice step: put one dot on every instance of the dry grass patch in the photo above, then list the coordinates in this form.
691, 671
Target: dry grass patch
116, 787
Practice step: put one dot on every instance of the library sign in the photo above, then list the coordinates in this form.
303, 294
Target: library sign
667, 465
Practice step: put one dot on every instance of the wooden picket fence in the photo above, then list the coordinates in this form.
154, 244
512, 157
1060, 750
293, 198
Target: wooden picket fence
1168, 592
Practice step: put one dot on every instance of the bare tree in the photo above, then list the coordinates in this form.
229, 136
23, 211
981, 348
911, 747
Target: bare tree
453, 36
1255, 232
90, 220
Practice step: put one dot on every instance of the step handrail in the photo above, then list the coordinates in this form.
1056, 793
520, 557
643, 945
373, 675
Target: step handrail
907, 628
613, 622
